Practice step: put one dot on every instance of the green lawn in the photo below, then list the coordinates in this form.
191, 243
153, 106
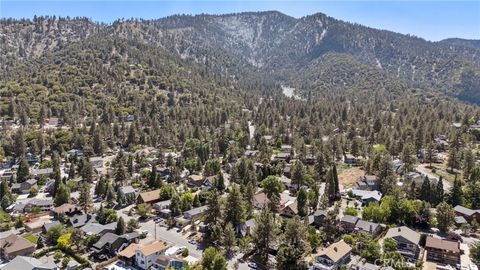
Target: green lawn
32, 238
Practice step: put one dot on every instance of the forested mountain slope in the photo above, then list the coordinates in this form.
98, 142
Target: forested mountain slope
259, 50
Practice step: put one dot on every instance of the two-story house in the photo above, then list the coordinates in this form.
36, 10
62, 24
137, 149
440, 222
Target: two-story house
443, 251
146, 255
334, 256
407, 242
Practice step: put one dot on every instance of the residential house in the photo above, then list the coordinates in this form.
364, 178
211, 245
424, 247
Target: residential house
368, 182
92, 228
13, 245
164, 262
467, 213
285, 156
31, 158
97, 162
39, 173
290, 209
333, 256
260, 200
348, 223
310, 159
195, 180
66, 209
43, 205
79, 221
24, 187
367, 196
195, 213
146, 255
159, 206
47, 226
443, 251
149, 197
110, 244
319, 217
350, 159
407, 242
129, 193
369, 227
29, 263
245, 228
251, 153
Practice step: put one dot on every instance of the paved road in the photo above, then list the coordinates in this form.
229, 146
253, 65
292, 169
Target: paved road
171, 236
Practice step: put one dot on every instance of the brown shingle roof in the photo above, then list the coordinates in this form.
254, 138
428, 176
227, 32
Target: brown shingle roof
129, 251
442, 244
336, 251
152, 248
14, 243
150, 196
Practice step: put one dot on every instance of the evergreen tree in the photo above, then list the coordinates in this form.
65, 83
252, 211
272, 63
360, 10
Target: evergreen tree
219, 182
302, 202
456, 194
85, 199
234, 210
439, 191
264, 233
298, 173
62, 195
335, 180
121, 228
71, 171
110, 194
229, 240
20, 145
87, 171
152, 179
426, 192
445, 216
100, 188
23, 171
97, 143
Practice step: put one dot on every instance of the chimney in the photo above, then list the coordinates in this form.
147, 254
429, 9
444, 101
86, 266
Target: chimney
335, 248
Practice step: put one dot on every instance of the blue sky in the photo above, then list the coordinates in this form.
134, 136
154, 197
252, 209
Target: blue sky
432, 20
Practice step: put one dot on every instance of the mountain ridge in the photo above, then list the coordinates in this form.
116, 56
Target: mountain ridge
242, 46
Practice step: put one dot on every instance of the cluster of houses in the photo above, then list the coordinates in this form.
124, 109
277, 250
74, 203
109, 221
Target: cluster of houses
435, 252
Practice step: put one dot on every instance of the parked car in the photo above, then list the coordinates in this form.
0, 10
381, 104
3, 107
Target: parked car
252, 265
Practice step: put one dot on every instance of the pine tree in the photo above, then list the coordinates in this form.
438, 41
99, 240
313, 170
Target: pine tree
71, 171
153, 176
298, 174
445, 216
219, 182
439, 191
87, 171
97, 143
335, 180
264, 233
62, 195
120, 173
85, 199
456, 194
234, 209
229, 240
23, 171
20, 145
213, 216
121, 228
100, 188
302, 202
110, 192
426, 192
